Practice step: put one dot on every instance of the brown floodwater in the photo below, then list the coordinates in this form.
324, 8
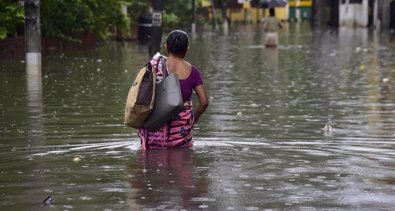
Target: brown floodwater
260, 145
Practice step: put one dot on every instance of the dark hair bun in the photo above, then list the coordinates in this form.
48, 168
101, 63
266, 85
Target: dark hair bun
177, 43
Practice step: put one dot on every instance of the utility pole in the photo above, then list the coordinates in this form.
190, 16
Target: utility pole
157, 22
225, 23
33, 37
193, 25
214, 13
297, 10
33, 69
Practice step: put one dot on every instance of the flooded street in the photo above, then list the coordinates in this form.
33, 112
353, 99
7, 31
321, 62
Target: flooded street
260, 145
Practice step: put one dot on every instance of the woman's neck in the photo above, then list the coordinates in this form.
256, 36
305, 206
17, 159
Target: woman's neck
179, 66
175, 59
174, 62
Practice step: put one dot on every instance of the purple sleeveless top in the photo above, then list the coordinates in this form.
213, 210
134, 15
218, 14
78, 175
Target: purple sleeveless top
187, 85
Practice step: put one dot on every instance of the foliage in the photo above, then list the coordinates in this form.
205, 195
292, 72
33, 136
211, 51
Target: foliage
136, 8
11, 14
170, 20
178, 13
68, 19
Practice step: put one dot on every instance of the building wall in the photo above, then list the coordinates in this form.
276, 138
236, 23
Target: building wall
281, 13
255, 14
304, 13
353, 14
300, 9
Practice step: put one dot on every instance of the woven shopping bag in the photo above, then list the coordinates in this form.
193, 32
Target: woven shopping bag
141, 98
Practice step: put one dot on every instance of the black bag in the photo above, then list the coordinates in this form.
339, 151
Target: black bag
168, 100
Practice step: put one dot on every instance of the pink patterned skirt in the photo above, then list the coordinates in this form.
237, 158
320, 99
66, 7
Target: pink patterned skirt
177, 133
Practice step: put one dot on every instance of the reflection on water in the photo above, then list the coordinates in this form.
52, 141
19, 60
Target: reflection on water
166, 180
34, 108
261, 144
35, 128
271, 56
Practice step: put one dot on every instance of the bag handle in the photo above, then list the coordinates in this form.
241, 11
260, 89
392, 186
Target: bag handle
164, 67
165, 73
157, 63
149, 65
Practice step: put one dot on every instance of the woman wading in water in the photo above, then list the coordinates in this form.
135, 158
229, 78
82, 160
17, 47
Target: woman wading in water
178, 132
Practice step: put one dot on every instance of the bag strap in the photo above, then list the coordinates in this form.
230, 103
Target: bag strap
164, 67
157, 63
165, 72
149, 66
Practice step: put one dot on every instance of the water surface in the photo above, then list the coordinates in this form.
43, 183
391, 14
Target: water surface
260, 145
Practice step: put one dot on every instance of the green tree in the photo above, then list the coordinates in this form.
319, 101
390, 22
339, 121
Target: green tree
177, 13
66, 20
11, 14
136, 8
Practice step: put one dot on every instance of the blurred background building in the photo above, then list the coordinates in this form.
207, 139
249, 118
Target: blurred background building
321, 13
354, 13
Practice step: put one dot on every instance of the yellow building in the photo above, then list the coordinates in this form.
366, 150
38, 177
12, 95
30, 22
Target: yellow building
281, 13
300, 9
296, 9
253, 12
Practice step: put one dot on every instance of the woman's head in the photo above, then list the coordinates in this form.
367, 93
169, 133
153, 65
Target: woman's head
177, 43
272, 12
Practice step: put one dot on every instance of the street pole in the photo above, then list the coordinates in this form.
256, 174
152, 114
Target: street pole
297, 10
225, 23
193, 25
214, 14
33, 70
33, 37
157, 31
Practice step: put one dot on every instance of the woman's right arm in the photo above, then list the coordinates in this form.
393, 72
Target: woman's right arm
203, 101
